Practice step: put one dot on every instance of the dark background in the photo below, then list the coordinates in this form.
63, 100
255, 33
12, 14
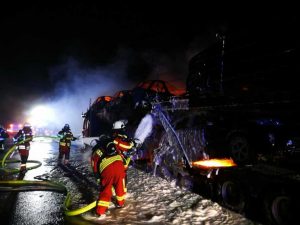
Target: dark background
40, 43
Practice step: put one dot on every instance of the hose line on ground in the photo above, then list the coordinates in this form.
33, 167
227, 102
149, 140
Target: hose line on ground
26, 185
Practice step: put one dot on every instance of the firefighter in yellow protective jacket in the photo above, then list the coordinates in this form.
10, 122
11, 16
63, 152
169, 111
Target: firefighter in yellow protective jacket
23, 139
66, 136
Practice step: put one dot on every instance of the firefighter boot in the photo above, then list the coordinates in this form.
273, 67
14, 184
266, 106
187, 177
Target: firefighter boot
23, 169
116, 204
100, 217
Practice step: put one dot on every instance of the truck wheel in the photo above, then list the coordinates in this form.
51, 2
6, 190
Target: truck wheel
278, 209
239, 149
233, 196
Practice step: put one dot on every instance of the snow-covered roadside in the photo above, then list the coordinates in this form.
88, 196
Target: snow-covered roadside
149, 200
160, 201
153, 200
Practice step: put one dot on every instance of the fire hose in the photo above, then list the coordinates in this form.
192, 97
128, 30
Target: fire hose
9, 152
26, 185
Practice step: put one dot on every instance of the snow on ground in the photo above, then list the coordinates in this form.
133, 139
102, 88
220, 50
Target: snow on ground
150, 199
153, 200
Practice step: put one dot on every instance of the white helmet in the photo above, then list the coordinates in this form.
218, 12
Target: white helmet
120, 124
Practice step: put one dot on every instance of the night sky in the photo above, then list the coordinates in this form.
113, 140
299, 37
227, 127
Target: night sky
49, 52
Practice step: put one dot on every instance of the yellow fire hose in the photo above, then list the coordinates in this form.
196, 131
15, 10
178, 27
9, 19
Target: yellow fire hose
76, 212
25, 185
28, 185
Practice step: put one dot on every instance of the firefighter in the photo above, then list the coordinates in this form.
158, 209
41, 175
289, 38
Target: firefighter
108, 164
66, 136
22, 139
125, 147
114, 148
3, 136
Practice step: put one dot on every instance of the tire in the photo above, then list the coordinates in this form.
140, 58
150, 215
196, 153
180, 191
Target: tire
278, 209
233, 196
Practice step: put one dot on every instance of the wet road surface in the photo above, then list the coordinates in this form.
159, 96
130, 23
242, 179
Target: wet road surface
34, 207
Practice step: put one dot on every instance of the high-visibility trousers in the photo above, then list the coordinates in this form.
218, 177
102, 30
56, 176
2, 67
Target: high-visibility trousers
113, 176
64, 150
24, 152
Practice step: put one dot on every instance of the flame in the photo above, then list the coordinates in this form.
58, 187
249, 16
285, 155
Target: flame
215, 163
107, 98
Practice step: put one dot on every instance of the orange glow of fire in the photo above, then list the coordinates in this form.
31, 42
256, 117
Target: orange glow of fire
215, 163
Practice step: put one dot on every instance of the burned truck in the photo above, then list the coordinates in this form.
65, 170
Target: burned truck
240, 110
242, 99
242, 105
93, 125
133, 104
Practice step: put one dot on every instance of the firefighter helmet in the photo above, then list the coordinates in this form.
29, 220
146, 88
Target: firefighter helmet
67, 127
120, 124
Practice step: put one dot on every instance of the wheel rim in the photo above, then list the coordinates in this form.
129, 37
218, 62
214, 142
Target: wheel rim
239, 149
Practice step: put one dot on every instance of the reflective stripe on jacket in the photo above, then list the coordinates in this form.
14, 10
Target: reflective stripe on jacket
23, 147
109, 160
62, 143
123, 144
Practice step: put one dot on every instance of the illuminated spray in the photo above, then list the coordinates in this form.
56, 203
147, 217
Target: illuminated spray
144, 129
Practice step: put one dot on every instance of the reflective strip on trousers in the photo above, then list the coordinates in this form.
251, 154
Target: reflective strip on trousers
103, 203
124, 186
120, 198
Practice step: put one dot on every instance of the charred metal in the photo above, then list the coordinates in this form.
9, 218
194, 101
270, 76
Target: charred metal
241, 103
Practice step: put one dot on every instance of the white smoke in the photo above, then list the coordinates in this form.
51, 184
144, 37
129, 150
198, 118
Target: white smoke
77, 86
144, 129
